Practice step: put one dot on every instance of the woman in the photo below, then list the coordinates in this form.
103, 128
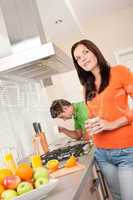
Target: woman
106, 93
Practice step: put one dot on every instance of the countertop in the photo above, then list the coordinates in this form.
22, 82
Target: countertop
69, 186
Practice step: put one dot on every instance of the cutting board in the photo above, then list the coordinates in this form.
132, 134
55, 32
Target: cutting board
64, 171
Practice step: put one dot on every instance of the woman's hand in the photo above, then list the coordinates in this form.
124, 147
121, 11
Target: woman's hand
97, 125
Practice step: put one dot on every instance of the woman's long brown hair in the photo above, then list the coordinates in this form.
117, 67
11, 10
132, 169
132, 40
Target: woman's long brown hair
87, 79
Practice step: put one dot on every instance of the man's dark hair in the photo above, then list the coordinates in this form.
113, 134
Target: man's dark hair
57, 107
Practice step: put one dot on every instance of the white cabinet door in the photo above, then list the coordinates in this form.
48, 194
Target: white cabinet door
125, 57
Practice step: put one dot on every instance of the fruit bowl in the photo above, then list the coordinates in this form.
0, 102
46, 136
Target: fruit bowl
39, 193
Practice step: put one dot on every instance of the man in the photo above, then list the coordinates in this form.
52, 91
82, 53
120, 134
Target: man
65, 110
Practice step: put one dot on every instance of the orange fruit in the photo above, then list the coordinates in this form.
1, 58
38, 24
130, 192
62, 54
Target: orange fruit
53, 165
3, 173
1, 189
24, 171
71, 162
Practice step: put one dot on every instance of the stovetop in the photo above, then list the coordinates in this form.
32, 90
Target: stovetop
71, 148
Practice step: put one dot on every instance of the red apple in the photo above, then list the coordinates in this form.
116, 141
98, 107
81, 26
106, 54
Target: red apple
11, 182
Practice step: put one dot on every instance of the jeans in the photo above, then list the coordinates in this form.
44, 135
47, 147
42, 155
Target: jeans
117, 168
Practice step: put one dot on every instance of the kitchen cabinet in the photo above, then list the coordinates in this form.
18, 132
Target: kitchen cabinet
100, 184
93, 185
89, 190
81, 185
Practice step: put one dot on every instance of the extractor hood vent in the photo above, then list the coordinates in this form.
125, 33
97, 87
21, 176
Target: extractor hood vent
38, 63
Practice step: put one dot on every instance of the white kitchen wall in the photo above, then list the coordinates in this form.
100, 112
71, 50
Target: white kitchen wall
5, 48
65, 85
22, 103
112, 32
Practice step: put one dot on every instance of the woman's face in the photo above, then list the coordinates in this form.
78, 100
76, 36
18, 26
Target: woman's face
85, 58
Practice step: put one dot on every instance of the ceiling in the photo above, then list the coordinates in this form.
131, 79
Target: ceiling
64, 18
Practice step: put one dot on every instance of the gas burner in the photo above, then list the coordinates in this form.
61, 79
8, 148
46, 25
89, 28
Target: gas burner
65, 152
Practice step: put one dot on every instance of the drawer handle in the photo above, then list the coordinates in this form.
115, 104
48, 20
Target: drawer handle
94, 186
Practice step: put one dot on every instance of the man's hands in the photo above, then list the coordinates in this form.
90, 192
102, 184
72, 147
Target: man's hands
61, 129
74, 134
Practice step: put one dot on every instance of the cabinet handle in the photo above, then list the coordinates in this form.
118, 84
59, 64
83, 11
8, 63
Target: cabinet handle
94, 186
102, 181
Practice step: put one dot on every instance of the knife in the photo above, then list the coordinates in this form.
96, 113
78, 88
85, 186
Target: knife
43, 138
36, 129
39, 127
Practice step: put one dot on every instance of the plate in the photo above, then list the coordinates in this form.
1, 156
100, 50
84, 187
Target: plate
39, 193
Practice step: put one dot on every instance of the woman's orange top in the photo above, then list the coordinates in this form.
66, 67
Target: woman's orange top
112, 104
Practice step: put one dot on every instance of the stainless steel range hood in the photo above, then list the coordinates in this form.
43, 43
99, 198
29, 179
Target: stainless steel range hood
32, 57
36, 63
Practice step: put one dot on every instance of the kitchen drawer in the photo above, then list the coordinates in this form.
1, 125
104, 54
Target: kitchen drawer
89, 188
93, 186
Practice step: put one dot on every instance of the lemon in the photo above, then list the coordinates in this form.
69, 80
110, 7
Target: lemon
71, 162
53, 164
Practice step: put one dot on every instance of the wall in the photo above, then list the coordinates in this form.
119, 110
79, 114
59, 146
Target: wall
113, 32
65, 85
5, 48
22, 103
